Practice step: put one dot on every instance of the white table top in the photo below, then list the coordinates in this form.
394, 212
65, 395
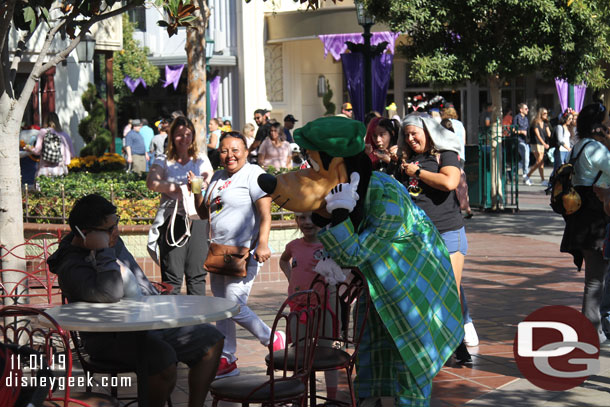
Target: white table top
146, 313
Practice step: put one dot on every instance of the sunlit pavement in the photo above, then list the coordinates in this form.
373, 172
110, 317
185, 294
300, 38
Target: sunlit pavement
513, 267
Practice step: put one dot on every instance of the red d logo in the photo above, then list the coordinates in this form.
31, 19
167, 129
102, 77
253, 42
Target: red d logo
556, 348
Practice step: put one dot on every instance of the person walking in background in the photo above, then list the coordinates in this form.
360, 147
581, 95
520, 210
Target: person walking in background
54, 146
147, 134
585, 229
158, 145
213, 140
127, 127
562, 135
507, 121
248, 132
540, 135
450, 121
181, 253
346, 110
289, 122
274, 151
430, 171
485, 119
261, 117
240, 215
226, 124
522, 125
135, 149
298, 262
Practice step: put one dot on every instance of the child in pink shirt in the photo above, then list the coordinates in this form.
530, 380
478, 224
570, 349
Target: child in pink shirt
298, 262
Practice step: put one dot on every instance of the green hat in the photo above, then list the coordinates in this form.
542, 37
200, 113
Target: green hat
337, 136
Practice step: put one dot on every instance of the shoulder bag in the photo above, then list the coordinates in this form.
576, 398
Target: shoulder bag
190, 214
223, 259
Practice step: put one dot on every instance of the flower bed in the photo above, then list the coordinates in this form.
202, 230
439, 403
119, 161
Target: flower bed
136, 204
105, 163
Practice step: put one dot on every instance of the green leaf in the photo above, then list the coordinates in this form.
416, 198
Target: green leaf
29, 15
188, 19
45, 14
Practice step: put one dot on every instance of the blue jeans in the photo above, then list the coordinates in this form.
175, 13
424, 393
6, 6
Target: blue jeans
238, 290
559, 157
524, 154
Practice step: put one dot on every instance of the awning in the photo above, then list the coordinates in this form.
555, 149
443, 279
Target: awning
305, 25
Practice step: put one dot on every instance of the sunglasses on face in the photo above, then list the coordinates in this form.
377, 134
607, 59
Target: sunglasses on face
110, 229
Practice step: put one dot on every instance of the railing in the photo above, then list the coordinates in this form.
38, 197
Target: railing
35, 285
498, 186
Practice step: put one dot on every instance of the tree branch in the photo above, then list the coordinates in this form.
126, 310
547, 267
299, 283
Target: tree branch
25, 37
39, 68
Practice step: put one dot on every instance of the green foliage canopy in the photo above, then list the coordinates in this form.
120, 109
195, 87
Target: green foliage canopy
456, 40
132, 61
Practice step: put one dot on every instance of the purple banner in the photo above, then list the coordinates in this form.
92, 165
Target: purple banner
335, 43
172, 75
562, 92
353, 68
132, 84
214, 86
381, 69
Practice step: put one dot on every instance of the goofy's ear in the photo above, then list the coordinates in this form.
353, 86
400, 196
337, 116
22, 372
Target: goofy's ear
326, 159
360, 163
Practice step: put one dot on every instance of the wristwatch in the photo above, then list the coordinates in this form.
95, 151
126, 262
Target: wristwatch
417, 172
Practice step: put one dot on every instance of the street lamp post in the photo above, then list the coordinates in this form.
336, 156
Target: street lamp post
366, 20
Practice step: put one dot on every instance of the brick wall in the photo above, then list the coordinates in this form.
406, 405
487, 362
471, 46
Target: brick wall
136, 237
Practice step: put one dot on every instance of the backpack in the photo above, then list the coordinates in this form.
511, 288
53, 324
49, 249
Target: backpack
565, 200
51, 147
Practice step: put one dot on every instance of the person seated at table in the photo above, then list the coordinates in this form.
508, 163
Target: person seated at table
93, 265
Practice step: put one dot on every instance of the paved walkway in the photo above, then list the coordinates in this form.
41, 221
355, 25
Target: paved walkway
513, 268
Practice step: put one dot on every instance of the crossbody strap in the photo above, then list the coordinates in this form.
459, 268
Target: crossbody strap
574, 159
210, 190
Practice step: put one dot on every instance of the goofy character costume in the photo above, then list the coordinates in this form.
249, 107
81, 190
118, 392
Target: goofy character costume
371, 223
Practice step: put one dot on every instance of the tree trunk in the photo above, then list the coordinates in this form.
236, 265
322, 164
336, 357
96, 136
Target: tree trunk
11, 211
497, 169
196, 87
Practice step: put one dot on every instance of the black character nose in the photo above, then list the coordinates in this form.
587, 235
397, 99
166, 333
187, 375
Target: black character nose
267, 182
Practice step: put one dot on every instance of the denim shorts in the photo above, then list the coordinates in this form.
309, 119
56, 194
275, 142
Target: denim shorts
456, 241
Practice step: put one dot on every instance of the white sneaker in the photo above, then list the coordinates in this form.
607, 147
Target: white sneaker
526, 180
544, 183
470, 335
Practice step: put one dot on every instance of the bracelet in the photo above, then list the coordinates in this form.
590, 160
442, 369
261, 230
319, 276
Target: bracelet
417, 172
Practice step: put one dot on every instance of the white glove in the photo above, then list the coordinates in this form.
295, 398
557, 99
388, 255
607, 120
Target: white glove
344, 195
331, 271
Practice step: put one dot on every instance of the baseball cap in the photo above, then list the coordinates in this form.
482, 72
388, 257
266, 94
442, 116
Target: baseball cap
347, 106
136, 122
290, 118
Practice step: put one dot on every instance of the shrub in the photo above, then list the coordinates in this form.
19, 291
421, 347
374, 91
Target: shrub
108, 162
136, 204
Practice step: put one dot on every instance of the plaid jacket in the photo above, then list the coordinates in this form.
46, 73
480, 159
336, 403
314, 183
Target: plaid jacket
409, 275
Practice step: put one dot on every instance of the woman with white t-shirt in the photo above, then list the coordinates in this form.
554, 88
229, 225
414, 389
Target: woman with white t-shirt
562, 132
240, 215
178, 257
585, 229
